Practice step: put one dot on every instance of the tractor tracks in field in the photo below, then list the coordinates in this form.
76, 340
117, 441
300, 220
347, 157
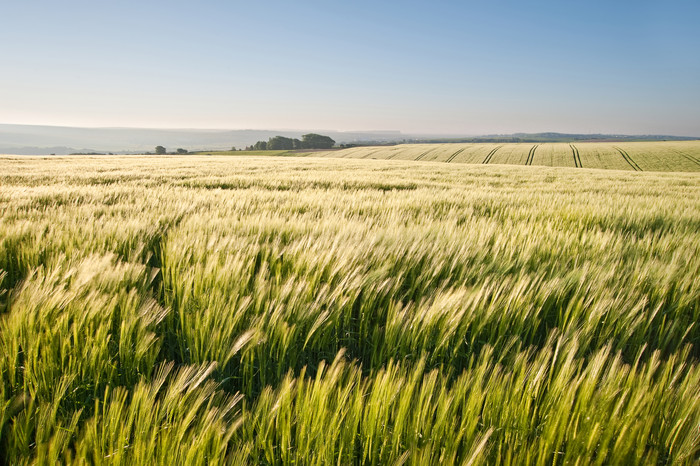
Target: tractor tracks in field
489, 156
396, 152
370, 153
420, 157
452, 157
577, 156
531, 154
628, 159
689, 157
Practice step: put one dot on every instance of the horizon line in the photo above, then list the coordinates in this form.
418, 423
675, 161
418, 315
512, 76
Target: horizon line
400, 132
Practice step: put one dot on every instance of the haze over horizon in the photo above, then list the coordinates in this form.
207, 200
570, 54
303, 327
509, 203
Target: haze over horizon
417, 67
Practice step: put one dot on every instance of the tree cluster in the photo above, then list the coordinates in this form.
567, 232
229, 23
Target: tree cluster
160, 150
308, 141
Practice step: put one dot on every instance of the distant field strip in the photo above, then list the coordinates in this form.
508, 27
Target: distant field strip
665, 156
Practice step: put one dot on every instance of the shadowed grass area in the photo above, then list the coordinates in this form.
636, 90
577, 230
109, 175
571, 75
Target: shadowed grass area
249, 310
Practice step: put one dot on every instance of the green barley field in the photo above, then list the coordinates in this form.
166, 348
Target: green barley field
325, 310
668, 156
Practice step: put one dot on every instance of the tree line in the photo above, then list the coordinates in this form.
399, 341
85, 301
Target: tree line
160, 150
308, 141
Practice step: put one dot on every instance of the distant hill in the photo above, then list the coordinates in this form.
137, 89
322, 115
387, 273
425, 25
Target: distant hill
554, 137
61, 140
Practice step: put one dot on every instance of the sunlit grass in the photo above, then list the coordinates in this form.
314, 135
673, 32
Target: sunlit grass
227, 310
662, 156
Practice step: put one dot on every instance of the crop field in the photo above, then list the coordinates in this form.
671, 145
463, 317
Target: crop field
668, 156
258, 310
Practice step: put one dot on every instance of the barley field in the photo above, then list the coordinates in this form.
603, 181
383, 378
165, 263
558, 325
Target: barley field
243, 310
665, 156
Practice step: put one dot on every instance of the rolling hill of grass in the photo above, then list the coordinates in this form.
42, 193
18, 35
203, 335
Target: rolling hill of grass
636, 156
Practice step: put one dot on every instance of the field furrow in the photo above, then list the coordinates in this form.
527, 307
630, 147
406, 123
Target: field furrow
689, 157
512, 154
531, 155
490, 154
423, 154
453, 156
627, 158
577, 156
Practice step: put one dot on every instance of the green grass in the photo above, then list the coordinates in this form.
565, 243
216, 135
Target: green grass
664, 156
254, 310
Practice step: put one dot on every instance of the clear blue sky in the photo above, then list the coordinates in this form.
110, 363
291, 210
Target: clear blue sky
432, 66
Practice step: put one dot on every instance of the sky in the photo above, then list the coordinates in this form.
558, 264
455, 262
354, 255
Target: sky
429, 67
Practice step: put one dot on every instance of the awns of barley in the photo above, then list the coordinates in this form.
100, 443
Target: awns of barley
241, 311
